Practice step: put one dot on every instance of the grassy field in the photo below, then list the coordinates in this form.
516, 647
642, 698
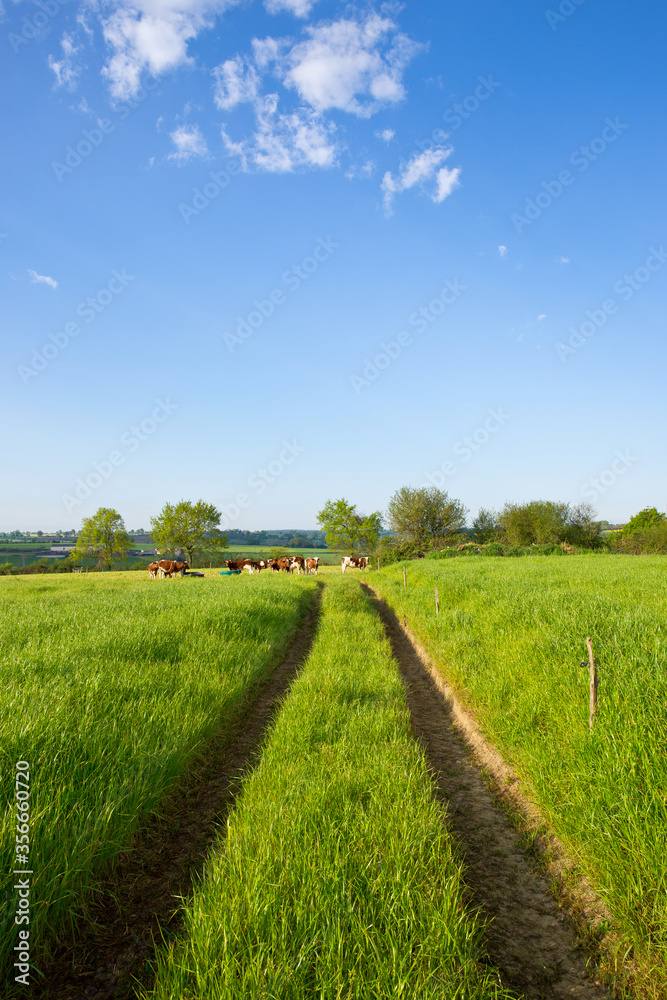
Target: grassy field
108, 685
336, 877
511, 635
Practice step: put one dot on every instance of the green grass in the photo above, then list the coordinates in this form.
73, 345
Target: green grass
511, 635
336, 878
108, 685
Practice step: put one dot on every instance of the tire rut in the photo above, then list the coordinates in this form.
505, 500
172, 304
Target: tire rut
529, 938
140, 906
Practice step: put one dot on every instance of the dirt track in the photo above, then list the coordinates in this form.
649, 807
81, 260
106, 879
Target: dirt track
529, 939
138, 906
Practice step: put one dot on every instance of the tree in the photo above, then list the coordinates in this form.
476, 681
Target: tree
103, 537
192, 527
581, 528
345, 528
426, 516
485, 527
536, 523
649, 517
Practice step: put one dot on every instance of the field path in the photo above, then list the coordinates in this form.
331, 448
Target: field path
529, 939
138, 907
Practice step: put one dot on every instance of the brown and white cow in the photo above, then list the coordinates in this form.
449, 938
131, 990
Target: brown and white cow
152, 570
234, 563
285, 565
312, 565
169, 567
297, 564
356, 562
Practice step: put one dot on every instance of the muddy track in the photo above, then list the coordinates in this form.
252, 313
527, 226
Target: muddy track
140, 905
529, 938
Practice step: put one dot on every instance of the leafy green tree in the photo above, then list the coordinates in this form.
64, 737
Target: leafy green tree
345, 528
103, 537
581, 528
485, 527
649, 517
192, 527
426, 516
538, 522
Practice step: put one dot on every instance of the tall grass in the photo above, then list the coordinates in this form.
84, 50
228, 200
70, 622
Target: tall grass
336, 879
511, 634
108, 685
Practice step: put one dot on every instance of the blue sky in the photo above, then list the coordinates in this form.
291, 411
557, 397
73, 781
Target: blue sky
271, 253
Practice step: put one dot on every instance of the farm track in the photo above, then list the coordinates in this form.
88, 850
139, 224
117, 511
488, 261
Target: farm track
139, 907
529, 938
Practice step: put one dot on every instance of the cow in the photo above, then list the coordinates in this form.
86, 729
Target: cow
252, 566
297, 563
152, 570
356, 562
168, 567
235, 563
312, 565
285, 565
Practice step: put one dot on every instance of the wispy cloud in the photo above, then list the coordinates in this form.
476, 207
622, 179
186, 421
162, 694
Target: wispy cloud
386, 134
541, 317
421, 169
42, 279
66, 69
502, 251
563, 260
284, 142
189, 143
300, 8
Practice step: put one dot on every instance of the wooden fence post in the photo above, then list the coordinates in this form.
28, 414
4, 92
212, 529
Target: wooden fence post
593, 688
405, 582
378, 562
437, 601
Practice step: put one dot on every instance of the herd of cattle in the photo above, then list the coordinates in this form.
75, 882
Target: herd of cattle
166, 568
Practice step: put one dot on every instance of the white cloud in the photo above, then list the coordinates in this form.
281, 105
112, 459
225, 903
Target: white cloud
541, 317
236, 82
300, 8
189, 143
386, 134
363, 171
42, 279
563, 260
152, 35
502, 251
283, 142
350, 65
65, 69
421, 168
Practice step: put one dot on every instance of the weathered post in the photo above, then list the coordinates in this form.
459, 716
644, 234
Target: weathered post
378, 562
437, 601
405, 582
593, 687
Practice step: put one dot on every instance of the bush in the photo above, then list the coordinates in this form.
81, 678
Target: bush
493, 549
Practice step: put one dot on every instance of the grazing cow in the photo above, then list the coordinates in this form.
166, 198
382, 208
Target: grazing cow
252, 566
168, 567
297, 563
152, 570
356, 562
235, 563
285, 565
312, 564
